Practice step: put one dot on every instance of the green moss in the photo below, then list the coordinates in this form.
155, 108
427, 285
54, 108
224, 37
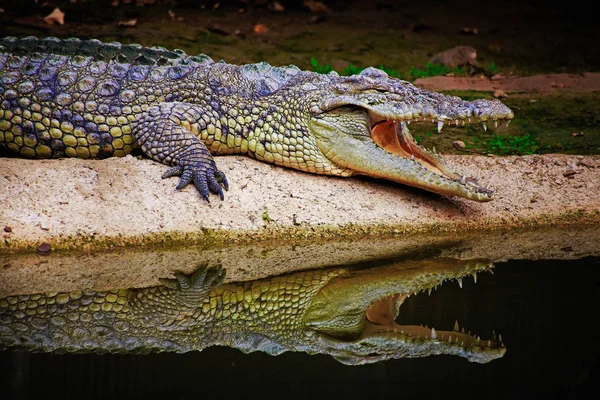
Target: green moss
265, 215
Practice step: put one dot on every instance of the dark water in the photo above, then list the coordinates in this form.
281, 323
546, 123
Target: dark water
545, 310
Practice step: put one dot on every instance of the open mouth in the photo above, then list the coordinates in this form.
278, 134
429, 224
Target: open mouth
366, 140
394, 137
390, 136
381, 318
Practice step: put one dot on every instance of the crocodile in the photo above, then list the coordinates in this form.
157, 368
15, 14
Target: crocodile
89, 99
346, 312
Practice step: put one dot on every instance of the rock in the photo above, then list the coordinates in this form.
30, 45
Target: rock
44, 248
455, 57
459, 144
499, 94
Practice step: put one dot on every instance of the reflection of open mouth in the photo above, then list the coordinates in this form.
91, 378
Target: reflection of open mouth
356, 314
383, 313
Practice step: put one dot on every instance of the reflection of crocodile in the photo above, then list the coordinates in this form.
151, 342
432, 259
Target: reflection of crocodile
347, 313
88, 99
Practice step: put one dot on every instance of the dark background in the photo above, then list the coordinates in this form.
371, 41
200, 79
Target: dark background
546, 312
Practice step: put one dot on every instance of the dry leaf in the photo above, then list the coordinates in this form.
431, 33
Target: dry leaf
130, 23
469, 31
55, 17
276, 6
260, 29
315, 6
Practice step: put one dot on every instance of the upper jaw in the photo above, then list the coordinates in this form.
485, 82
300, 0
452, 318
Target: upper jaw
391, 98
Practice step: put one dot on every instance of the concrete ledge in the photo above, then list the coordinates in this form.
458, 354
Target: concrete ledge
94, 204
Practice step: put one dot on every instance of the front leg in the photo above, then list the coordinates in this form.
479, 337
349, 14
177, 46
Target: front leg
162, 134
173, 304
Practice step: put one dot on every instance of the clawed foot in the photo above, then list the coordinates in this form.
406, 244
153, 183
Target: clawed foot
192, 288
205, 176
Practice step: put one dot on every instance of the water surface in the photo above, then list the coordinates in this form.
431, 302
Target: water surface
545, 311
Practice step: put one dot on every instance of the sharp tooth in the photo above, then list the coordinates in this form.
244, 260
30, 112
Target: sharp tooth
460, 282
440, 126
469, 119
434, 152
433, 334
432, 121
484, 126
462, 330
494, 335
429, 292
495, 123
462, 123
412, 157
500, 338
450, 339
462, 343
408, 122
455, 326
456, 122
507, 122
475, 277
463, 180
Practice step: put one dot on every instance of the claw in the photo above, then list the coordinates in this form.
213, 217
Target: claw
201, 184
215, 186
186, 178
221, 178
174, 171
206, 178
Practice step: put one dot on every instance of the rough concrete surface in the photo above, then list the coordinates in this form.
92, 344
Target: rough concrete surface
86, 204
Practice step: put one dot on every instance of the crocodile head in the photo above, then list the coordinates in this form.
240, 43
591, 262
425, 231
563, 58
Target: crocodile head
353, 317
360, 124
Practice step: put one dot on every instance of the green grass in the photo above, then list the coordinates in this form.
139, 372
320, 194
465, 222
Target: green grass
435, 70
413, 73
512, 145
